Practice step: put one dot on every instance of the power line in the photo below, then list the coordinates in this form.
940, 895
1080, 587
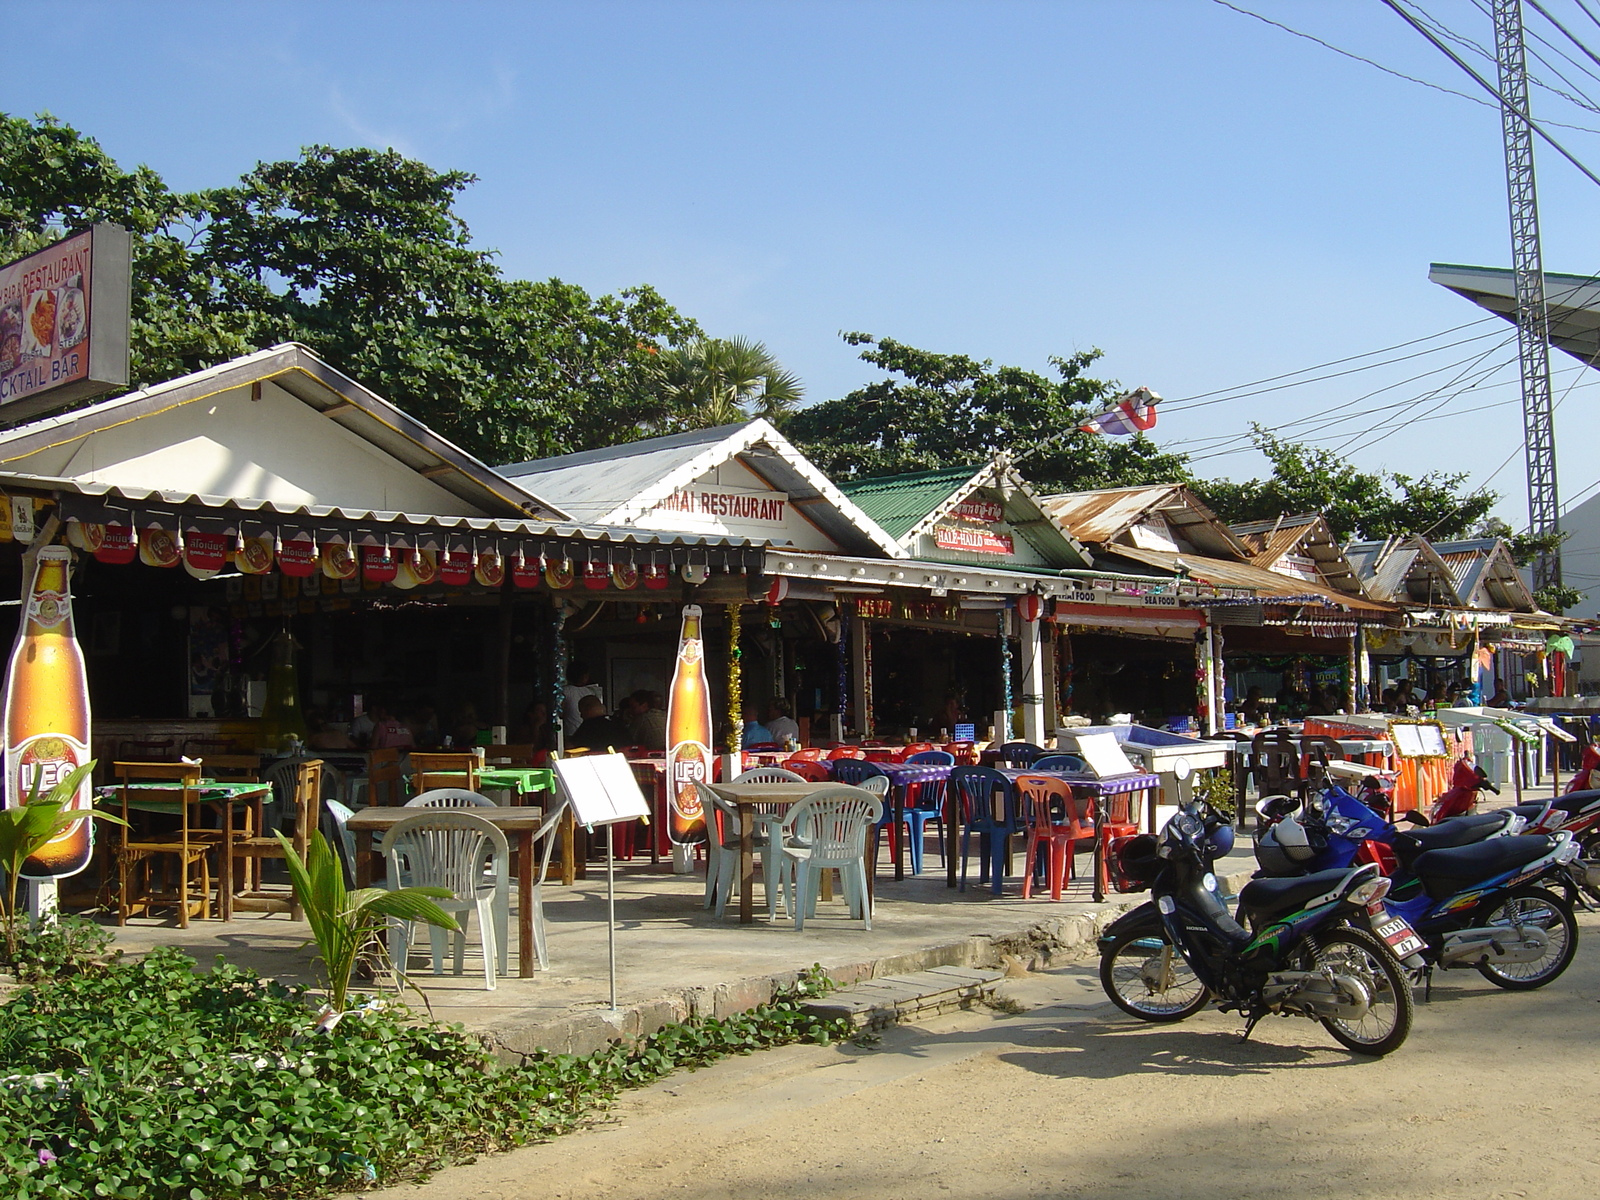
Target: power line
1520, 112
1386, 70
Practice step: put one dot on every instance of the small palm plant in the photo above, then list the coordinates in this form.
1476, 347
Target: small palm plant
345, 924
26, 828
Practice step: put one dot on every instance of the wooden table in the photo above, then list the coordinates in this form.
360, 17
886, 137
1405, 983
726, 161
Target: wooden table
220, 795
518, 823
745, 796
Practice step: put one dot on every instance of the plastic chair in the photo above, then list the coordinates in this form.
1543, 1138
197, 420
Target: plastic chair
989, 805
839, 752
768, 775
936, 758
963, 752
1018, 755
1057, 818
450, 798
827, 831
452, 849
1275, 764
722, 850
925, 801
810, 754
852, 771
1058, 762
905, 752
810, 770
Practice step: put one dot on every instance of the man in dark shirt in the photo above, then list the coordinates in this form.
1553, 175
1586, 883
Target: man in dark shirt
597, 731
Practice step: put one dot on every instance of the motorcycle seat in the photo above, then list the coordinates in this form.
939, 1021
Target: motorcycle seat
1458, 831
1269, 897
1446, 872
1572, 803
1527, 811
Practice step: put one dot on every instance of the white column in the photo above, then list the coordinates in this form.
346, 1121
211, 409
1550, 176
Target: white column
1208, 667
1031, 685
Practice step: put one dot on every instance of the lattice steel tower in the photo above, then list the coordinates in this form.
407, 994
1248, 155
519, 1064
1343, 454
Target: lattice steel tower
1533, 328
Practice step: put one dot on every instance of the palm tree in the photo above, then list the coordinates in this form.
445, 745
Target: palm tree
723, 381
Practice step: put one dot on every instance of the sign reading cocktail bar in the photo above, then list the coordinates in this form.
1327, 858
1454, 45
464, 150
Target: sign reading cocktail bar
64, 317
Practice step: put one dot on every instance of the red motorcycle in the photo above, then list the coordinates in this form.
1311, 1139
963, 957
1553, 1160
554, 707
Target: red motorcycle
1467, 779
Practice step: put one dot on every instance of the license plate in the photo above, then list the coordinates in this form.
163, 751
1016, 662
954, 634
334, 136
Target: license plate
1396, 933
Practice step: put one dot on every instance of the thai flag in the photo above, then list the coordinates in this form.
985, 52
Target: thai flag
1134, 413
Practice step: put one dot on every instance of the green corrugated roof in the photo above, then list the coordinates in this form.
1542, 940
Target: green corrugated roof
899, 502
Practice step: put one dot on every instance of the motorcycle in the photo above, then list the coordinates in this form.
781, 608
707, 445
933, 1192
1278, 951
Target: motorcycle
1466, 781
1471, 887
1305, 953
1577, 813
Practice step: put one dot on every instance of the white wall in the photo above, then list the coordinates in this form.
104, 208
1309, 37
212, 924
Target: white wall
1580, 555
277, 448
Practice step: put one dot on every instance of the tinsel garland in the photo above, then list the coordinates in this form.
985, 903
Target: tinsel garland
865, 633
735, 682
1064, 645
1004, 734
844, 662
558, 691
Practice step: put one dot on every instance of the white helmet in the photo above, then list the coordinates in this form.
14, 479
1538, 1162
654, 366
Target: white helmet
1291, 836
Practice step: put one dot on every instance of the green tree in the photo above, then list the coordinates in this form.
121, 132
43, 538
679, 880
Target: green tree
940, 410
722, 381
360, 255
1357, 504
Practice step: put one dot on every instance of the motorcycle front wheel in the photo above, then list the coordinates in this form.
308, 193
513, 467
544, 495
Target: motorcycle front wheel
1533, 906
1146, 977
1387, 1021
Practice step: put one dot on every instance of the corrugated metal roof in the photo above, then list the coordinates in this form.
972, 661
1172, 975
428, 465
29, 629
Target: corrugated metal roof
90, 501
899, 503
1307, 534
1404, 571
1102, 516
616, 485
1486, 562
1223, 574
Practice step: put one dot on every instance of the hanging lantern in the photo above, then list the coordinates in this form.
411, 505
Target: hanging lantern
1030, 607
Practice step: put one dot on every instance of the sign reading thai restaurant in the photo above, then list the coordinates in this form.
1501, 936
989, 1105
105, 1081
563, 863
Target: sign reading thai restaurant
64, 320
729, 504
971, 538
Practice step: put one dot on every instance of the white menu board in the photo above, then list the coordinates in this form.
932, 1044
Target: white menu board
601, 789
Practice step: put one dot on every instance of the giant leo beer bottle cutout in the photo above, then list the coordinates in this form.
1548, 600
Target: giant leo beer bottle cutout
688, 733
47, 712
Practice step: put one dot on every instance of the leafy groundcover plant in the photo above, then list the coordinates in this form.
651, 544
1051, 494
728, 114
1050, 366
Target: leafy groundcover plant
150, 1080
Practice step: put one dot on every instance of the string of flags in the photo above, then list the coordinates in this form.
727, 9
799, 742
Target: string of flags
1134, 413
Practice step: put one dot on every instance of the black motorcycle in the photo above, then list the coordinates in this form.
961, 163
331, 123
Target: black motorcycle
1309, 950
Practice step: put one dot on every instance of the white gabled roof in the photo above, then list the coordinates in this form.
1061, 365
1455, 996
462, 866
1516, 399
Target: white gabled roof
281, 426
617, 485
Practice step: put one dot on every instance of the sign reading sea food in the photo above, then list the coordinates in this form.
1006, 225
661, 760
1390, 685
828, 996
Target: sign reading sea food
64, 322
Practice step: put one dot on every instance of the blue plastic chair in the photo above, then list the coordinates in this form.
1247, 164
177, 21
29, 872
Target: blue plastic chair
1057, 762
929, 806
851, 771
1020, 755
991, 810
935, 758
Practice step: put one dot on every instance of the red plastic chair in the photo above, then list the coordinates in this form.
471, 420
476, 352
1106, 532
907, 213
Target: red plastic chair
1058, 818
966, 753
880, 754
906, 752
839, 752
808, 769
809, 754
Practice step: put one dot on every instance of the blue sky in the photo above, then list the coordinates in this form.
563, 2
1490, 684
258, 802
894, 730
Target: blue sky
1204, 198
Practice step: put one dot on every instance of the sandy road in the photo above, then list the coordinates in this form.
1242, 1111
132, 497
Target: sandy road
1494, 1095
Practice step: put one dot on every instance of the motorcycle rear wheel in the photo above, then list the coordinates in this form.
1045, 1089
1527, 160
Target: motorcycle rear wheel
1550, 913
1388, 1020
1132, 969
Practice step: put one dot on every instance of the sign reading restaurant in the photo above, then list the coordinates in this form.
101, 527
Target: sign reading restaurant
768, 508
64, 317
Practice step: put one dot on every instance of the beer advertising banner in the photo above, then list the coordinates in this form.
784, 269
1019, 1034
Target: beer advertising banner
47, 712
64, 322
688, 733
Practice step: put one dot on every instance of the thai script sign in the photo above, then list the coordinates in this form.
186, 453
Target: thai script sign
984, 512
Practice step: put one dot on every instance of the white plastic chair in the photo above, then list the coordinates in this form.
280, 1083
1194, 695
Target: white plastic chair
768, 775
828, 831
450, 798
722, 853
452, 849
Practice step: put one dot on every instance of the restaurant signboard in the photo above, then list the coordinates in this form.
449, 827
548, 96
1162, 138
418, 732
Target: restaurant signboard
64, 320
972, 538
717, 508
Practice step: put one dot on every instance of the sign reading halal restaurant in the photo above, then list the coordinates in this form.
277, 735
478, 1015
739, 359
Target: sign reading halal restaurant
64, 319
969, 537
767, 508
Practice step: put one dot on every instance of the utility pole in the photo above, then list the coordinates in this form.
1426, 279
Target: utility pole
1527, 261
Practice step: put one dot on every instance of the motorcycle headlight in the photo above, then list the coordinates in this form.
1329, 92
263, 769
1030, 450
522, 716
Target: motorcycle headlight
1370, 892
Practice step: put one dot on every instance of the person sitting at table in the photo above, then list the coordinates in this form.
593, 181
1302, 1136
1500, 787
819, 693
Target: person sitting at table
782, 725
648, 724
1501, 697
754, 731
388, 731
597, 731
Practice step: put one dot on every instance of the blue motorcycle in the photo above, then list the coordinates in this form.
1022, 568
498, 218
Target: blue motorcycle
1469, 887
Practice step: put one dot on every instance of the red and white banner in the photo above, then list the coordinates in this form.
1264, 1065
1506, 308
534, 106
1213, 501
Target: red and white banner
964, 537
1134, 413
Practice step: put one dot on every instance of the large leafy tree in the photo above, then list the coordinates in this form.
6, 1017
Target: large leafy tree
722, 381
360, 255
940, 410
1357, 504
